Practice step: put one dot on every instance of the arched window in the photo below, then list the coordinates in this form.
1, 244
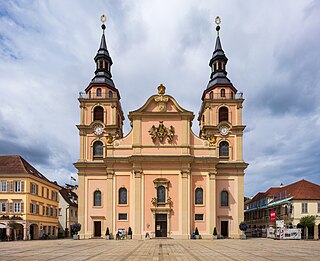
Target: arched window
110, 94
211, 95
98, 114
223, 114
123, 196
198, 196
223, 93
161, 194
97, 149
98, 91
97, 198
224, 149
224, 199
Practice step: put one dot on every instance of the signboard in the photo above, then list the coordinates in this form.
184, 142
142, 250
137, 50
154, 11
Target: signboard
290, 233
273, 216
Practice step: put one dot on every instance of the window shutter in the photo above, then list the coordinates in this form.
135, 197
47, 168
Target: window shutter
30, 187
37, 188
22, 186
30, 211
10, 186
10, 207
37, 209
22, 207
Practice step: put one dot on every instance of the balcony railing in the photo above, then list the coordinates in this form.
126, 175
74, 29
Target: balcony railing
102, 95
225, 96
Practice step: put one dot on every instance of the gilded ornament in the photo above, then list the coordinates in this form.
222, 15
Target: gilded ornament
161, 132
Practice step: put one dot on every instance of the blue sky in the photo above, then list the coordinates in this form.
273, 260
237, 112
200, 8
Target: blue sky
46, 59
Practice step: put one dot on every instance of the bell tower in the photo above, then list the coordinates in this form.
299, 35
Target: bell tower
101, 115
220, 116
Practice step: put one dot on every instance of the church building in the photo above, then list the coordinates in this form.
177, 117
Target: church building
161, 178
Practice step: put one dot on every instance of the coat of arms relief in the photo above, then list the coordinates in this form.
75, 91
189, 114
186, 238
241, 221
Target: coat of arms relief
161, 132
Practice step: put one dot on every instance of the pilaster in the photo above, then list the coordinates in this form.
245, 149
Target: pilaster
109, 202
212, 200
185, 203
82, 206
137, 232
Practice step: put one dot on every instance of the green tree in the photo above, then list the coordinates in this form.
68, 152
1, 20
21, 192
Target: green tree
307, 222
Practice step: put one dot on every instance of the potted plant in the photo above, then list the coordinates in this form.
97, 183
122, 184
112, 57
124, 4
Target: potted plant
215, 234
76, 227
129, 233
196, 233
243, 227
107, 234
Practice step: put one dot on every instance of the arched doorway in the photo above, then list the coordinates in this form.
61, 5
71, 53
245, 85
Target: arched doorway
16, 231
34, 231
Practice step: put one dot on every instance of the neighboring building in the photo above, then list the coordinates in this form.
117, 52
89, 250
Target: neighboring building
291, 203
29, 201
68, 209
161, 178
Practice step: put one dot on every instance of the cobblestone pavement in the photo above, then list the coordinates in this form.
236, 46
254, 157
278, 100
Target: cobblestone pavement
160, 249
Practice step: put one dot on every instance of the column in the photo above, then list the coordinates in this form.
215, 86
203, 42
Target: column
109, 201
212, 200
185, 204
137, 222
25, 232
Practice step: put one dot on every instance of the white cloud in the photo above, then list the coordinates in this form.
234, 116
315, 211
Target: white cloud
46, 58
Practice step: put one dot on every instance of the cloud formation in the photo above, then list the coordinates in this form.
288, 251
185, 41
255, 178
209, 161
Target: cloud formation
46, 59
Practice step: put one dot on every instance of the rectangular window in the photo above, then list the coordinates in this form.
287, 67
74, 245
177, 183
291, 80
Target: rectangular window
3, 207
304, 207
17, 186
48, 193
33, 208
198, 217
3, 185
318, 207
47, 211
49, 230
42, 193
33, 188
16, 207
123, 216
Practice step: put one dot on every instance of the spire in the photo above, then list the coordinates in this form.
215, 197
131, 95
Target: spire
218, 61
103, 60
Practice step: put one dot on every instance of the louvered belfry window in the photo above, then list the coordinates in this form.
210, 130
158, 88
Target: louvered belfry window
98, 114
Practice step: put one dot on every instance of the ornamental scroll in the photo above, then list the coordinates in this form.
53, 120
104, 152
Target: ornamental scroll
161, 132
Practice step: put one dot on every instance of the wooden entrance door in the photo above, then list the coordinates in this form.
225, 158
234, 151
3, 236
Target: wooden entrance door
161, 225
97, 228
224, 228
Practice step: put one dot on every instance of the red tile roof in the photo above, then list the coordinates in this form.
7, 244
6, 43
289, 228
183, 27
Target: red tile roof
18, 165
301, 189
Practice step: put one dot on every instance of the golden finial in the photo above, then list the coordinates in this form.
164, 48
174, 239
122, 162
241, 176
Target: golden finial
218, 22
161, 89
103, 19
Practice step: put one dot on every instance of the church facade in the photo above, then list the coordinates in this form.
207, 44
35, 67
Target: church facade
161, 179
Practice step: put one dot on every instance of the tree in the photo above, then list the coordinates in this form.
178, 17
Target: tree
215, 231
129, 231
76, 227
107, 232
243, 226
307, 222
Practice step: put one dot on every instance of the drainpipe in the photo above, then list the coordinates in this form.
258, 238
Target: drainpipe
67, 218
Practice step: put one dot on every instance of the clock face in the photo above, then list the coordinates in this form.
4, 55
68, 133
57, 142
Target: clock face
98, 129
224, 130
